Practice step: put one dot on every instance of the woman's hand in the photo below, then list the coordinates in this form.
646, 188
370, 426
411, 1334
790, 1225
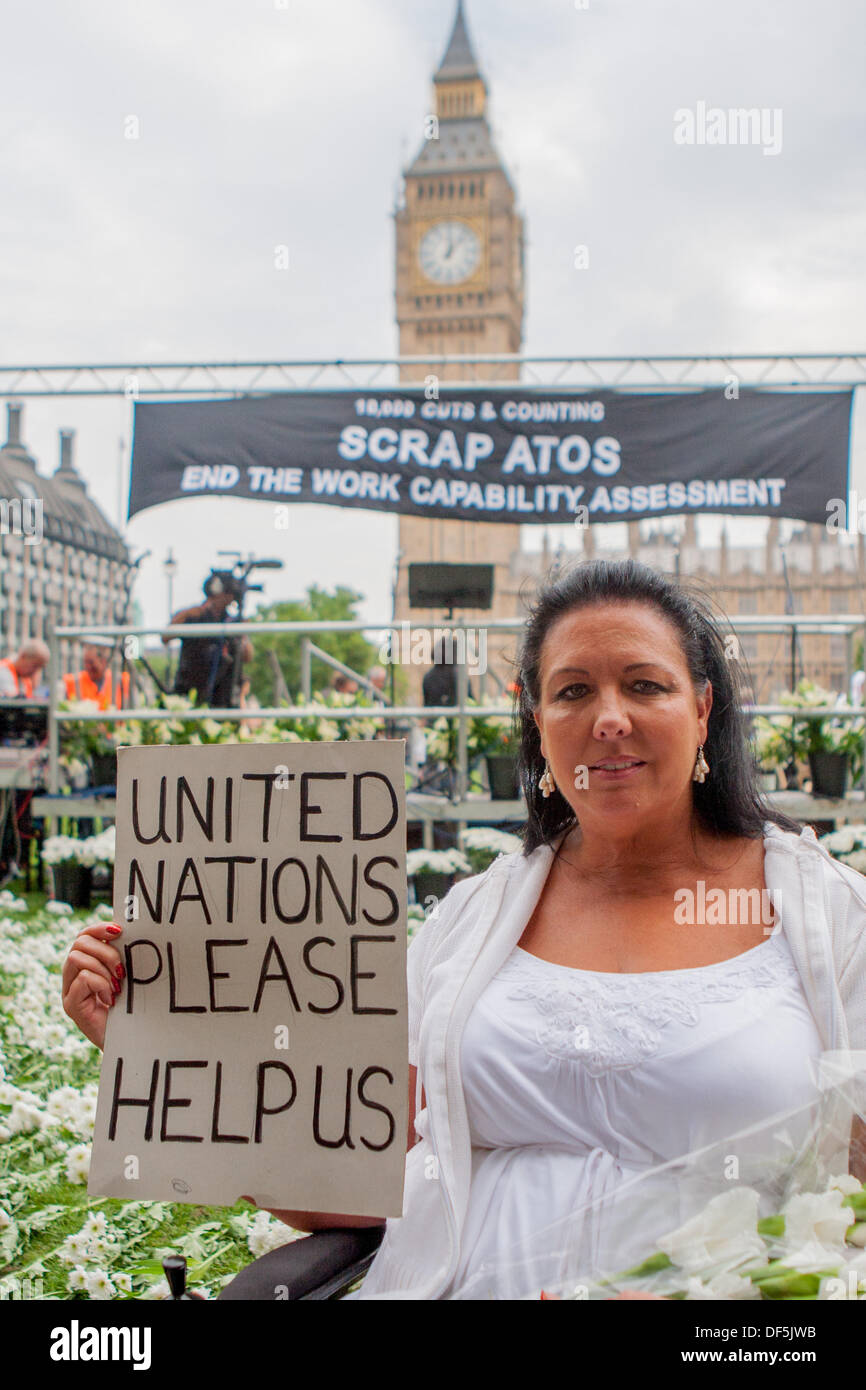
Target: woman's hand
92, 973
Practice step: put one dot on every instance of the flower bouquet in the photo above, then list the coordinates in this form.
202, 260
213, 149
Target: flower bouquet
767, 1212
815, 1248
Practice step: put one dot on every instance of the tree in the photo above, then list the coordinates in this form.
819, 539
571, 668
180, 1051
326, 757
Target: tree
352, 648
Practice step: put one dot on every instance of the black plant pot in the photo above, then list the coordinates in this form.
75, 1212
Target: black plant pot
103, 769
72, 883
502, 774
829, 773
429, 884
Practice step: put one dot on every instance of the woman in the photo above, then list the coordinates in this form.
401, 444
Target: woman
572, 1037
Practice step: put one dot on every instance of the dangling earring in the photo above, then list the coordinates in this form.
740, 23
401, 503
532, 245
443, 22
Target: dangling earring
546, 784
702, 767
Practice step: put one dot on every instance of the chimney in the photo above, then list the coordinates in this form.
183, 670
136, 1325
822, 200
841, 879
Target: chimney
66, 467
14, 411
67, 438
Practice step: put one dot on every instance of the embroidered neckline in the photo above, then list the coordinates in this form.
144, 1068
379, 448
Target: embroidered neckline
648, 974
609, 1021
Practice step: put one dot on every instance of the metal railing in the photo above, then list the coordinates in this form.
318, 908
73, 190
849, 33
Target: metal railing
461, 711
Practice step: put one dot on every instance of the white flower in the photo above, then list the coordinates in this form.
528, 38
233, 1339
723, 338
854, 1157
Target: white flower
24, 1118
265, 1234
98, 1284
437, 861
725, 1232
78, 1162
73, 1249
58, 908
732, 1286
815, 1226
77, 1279
8, 1237
123, 1282
96, 1224
483, 837
845, 839
858, 1235
159, 1290
847, 1183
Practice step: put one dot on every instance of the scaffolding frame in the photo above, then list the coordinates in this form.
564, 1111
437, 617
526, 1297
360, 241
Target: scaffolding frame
683, 372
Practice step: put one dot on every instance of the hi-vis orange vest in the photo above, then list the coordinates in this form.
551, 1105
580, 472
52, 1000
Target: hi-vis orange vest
23, 684
82, 687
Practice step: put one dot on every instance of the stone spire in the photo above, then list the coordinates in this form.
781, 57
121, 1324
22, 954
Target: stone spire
459, 63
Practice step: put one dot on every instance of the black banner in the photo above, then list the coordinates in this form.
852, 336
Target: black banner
510, 454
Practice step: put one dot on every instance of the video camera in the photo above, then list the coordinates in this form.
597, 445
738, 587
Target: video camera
234, 581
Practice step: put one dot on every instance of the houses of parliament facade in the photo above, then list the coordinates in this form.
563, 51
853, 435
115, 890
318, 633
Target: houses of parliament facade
459, 290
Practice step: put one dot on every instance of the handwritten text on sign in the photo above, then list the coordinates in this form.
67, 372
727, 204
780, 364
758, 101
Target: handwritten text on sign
259, 1045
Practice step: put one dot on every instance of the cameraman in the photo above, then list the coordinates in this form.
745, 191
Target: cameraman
206, 664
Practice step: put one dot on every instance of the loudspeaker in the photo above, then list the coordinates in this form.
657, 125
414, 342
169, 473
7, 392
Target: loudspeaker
450, 586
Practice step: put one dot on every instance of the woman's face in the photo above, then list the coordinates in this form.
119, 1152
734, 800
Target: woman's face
615, 688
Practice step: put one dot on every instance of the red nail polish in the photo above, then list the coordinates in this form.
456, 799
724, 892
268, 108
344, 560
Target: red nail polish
114, 930
119, 972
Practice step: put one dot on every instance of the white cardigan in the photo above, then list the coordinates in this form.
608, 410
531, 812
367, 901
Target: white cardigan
468, 938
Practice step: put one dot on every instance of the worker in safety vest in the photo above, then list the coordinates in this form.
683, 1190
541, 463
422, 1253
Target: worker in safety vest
17, 672
93, 681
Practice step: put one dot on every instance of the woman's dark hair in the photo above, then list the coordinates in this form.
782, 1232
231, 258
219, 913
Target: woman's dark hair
729, 801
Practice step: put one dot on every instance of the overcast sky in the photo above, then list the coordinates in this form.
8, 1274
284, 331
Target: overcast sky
264, 123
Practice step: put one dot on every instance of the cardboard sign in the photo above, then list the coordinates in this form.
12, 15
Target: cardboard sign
259, 1045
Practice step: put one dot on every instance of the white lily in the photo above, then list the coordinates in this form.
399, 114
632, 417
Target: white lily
725, 1232
816, 1216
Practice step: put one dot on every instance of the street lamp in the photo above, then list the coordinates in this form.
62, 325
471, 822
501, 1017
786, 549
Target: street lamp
169, 566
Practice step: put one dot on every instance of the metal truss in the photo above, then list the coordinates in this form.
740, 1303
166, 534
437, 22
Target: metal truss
136, 380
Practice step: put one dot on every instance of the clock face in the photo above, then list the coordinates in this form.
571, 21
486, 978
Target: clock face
449, 252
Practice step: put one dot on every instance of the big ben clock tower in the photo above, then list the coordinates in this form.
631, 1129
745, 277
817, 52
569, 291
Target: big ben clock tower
459, 290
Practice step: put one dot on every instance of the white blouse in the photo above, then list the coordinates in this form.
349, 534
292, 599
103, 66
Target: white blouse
602, 1109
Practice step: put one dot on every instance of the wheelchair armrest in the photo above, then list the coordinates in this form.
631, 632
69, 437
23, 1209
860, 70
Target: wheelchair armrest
315, 1267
